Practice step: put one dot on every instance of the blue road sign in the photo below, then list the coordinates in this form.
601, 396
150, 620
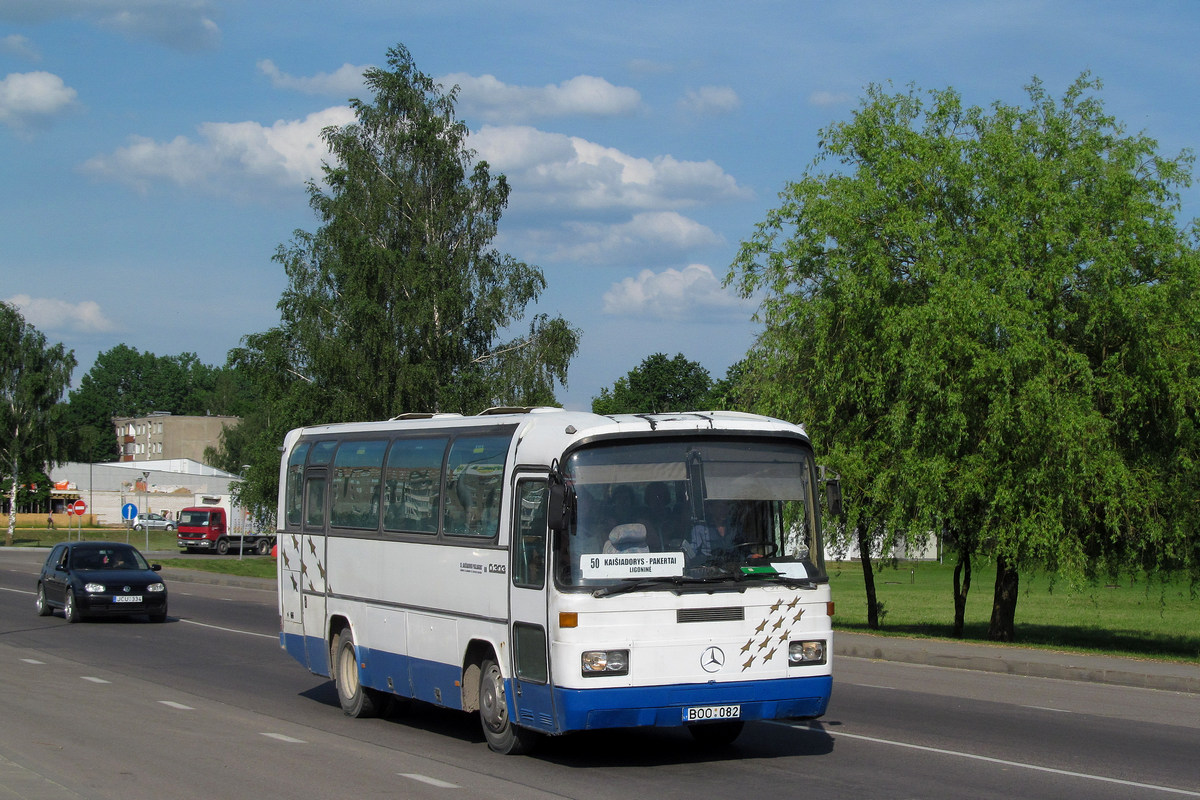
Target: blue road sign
129, 512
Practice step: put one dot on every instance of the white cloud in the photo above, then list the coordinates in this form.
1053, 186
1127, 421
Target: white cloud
182, 24
228, 157
641, 238
52, 314
493, 100
555, 170
346, 81
20, 46
692, 294
711, 100
31, 99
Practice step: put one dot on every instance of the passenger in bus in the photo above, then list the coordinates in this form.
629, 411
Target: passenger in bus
715, 536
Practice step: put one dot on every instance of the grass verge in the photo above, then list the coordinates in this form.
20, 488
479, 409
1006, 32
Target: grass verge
1140, 617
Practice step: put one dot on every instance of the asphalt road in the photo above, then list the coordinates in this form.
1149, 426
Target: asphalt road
207, 705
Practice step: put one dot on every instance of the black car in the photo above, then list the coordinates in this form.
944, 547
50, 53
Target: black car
100, 579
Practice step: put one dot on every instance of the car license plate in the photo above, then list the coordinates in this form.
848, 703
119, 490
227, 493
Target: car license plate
127, 598
703, 713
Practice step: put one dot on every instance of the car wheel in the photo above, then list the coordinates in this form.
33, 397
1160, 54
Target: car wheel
502, 735
170, 527
222, 546
716, 734
356, 701
43, 606
71, 609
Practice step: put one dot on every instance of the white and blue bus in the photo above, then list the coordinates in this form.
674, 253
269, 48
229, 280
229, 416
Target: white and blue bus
559, 571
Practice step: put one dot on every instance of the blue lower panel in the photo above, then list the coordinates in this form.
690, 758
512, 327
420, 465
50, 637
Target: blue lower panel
581, 709
588, 709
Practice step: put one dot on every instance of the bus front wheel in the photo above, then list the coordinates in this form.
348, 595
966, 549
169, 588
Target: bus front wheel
356, 700
502, 735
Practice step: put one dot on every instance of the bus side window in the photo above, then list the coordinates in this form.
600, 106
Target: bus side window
474, 480
414, 477
314, 501
529, 541
292, 493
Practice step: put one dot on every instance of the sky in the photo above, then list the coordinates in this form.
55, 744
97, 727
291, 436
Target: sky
154, 154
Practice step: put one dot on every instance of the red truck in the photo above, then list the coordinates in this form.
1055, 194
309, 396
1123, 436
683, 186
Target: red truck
206, 529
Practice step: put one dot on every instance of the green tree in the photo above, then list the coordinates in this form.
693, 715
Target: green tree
990, 319
659, 384
124, 382
397, 302
33, 377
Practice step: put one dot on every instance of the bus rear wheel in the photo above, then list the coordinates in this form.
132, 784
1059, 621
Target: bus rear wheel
355, 699
502, 735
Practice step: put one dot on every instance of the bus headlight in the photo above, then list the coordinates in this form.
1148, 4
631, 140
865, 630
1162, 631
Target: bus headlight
807, 652
598, 663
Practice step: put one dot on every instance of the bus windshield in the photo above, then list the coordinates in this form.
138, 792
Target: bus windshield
681, 511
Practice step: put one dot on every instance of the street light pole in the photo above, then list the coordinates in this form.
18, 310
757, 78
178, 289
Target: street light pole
146, 502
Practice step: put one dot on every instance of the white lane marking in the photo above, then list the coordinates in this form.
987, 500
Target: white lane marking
94, 680
283, 738
33, 661
990, 760
230, 630
15, 591
179, 706
431, 781
1048, 708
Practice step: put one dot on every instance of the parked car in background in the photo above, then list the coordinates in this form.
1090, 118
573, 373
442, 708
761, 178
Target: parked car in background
155, 522
100, 579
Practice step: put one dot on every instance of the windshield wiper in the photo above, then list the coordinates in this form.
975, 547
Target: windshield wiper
677, 583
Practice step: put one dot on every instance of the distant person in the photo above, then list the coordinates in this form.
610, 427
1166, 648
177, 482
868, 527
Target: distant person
50, 521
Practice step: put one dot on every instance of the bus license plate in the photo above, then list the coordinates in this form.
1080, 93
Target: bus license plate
703, 713
127, 598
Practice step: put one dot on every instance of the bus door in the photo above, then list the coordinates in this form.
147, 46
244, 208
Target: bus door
313, 549
531, 701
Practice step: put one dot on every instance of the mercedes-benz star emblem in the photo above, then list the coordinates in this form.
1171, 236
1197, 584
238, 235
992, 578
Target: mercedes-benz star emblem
712, 659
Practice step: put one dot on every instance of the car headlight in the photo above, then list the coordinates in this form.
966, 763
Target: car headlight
598, 663
806, 652
94, 588
156, 587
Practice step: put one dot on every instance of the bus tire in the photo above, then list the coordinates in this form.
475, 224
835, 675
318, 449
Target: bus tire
222, 546
716, 734
356, 701
502, 735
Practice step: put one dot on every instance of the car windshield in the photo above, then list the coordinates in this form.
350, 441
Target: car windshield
108, 557
680, 512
